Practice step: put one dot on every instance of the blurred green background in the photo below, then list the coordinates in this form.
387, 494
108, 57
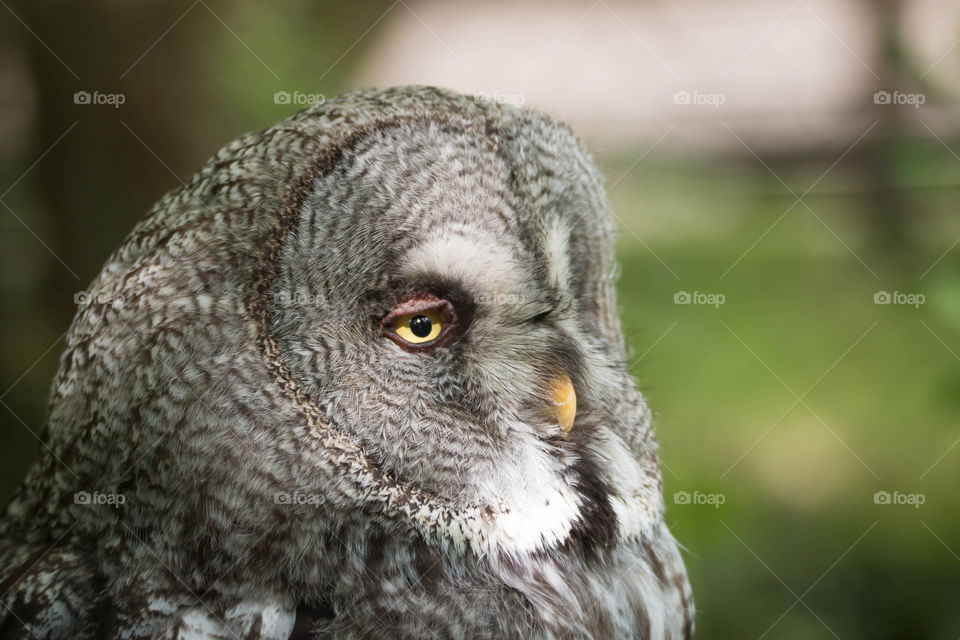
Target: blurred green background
781, 412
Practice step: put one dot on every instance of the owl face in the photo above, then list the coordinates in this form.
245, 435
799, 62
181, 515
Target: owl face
446, 312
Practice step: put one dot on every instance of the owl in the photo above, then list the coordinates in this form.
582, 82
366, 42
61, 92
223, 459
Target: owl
361, 377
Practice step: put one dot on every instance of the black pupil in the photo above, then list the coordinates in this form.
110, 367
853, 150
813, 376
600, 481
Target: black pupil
420, 326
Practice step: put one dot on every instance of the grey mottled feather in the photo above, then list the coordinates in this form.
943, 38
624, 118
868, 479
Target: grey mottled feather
286, 469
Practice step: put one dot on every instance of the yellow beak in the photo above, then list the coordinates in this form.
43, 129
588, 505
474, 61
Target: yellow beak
564, 399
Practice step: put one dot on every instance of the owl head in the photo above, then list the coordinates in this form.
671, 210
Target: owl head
392, 310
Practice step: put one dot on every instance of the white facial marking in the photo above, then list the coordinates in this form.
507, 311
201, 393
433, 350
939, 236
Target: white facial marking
477, 260
538, 508
557, 247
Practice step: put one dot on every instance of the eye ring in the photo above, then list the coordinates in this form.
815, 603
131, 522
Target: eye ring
420, 323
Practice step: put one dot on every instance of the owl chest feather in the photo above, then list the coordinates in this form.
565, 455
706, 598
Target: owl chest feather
626, 589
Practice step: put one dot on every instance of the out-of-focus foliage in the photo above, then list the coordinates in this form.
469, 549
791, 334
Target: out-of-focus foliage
799, 398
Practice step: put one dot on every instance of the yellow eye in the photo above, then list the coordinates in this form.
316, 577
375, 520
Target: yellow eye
422, 323
419, 327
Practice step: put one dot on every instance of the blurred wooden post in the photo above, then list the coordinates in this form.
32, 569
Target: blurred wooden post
887, 219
